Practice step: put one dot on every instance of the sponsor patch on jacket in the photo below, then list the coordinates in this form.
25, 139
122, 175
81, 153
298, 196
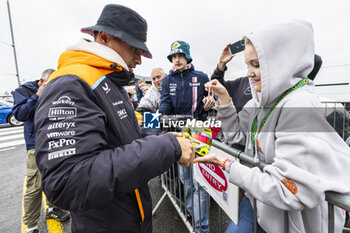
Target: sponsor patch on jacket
122, 113
61, 153
172, 88
117, 103
60, 134
106, 88
290, 185
63, 100
61, 125
194, 84
60, 113
60, 143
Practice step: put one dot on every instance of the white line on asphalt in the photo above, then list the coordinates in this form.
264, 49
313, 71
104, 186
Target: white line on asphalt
10, 129
11, 137
13, 143
8, 149
10, 132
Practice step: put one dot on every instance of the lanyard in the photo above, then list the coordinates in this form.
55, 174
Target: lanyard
254, 130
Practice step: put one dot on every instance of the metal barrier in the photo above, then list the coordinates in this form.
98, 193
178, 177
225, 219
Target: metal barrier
173, 188
338, 116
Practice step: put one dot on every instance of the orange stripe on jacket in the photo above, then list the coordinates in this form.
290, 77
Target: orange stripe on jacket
86, 66
139, 203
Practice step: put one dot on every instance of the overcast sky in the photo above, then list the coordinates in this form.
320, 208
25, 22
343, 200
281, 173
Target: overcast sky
43, 28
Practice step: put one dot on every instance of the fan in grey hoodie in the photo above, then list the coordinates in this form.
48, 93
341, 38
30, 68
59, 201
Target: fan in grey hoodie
305, 156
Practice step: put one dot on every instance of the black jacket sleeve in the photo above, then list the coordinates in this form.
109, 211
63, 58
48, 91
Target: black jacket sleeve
219, 75
166, 106
79, 167
24, 106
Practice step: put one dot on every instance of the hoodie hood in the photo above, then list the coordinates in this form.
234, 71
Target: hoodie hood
286, 55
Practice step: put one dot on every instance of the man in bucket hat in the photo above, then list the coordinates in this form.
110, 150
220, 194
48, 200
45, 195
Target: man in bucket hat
183, 93
90, 152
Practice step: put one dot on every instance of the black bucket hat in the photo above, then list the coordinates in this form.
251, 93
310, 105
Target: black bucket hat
124, 23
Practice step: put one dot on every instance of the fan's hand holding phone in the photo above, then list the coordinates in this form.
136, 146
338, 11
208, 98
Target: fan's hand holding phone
237, 47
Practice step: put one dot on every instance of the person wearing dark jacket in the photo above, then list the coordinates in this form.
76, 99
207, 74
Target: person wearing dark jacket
25, 99
139, 93
93, 159
183, 91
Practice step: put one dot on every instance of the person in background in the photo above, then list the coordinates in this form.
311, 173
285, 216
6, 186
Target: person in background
139, 93
283, 127
143, 86
146, 88
132, 95
151, 100
100, 166
183, 93
25, 98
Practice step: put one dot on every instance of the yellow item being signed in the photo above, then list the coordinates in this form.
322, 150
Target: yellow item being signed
201, 139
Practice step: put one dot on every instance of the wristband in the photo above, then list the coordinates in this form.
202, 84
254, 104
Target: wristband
223, 164
227, 167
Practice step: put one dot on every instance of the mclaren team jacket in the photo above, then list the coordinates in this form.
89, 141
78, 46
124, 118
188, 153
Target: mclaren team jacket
90, 152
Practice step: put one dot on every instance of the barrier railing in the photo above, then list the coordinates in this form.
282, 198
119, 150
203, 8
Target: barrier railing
338, 116
174, 188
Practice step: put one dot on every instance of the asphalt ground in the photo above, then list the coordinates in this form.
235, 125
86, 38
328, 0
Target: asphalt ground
12, 169
166, 219
12, 174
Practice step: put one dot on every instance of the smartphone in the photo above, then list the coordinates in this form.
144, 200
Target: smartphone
237, 47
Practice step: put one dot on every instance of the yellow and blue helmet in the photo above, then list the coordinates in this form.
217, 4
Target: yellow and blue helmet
201, 139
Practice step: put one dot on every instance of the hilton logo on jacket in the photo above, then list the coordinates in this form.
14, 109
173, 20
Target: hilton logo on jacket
62, 113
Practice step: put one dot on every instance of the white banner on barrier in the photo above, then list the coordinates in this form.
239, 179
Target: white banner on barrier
216, 182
